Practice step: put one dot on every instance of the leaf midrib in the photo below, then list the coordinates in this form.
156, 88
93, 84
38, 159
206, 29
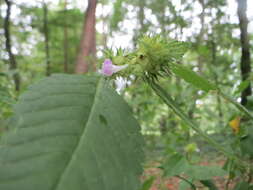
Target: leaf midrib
56, 185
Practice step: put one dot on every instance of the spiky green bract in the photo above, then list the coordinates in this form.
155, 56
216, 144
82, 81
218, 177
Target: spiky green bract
72, 133
156, 53
151, 58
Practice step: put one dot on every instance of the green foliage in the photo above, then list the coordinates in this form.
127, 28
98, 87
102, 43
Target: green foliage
184, 185
118, 14
177, 165
59, 140
205, 172
151, 59
242, 86
246, 144
7, 97
210, 184
243, 186
58, 21
215, 54
193, 78
147, 183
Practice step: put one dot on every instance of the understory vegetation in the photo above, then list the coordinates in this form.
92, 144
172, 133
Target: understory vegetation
126, 95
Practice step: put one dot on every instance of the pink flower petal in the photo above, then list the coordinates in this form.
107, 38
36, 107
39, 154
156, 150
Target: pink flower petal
108, 68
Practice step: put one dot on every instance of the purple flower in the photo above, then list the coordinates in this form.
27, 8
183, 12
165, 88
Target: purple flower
108, 68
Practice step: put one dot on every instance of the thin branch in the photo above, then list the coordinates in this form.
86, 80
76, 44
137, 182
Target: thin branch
12, 60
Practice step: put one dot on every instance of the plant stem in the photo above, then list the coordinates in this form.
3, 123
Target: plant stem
236, 104
172, 104
227, 183
187, 181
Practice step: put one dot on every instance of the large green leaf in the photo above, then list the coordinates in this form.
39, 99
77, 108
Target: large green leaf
72, 133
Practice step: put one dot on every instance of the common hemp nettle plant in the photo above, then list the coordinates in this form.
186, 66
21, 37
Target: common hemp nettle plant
75, 132
159, 57
150, 60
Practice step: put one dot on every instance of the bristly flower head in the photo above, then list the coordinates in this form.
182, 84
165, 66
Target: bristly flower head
152, 58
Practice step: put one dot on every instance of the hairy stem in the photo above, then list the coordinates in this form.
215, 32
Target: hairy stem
236, 104
193, 187
172, 104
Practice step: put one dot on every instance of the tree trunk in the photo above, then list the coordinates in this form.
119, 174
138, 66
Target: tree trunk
104, 20
87, 49
163, 21
46, 36
141, 16
140, 27
65, 39
216, 79
200, 37
163, 125
13, 63
200, 58
245, 48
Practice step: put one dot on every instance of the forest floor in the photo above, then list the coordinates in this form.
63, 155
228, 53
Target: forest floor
173, 183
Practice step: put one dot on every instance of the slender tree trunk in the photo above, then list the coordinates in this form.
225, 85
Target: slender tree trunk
140, 27
200, 58
218, 99
104, 20
201, 35
87, 49
163, 125
163, 22
46, 36
245, 48
13, 63
65, 39
141, 15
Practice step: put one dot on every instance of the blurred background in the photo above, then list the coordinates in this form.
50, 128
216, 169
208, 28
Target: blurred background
38, 38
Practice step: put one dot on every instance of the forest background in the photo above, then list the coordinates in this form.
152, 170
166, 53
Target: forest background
39, 38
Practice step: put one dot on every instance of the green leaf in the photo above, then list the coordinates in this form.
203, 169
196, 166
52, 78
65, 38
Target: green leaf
204, 172
72, 132
175, 165
242, 186
192, 77
2, 74
246, 144
147, 183
210, 184
242, 86
184, 185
